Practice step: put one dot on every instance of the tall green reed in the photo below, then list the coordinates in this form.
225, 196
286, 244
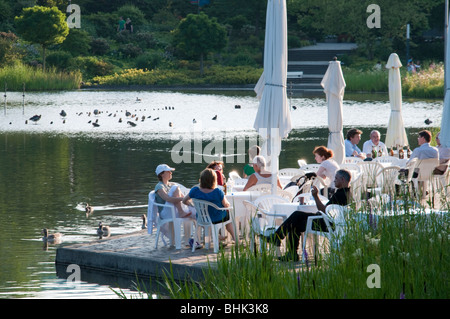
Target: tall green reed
34, 79
410, 248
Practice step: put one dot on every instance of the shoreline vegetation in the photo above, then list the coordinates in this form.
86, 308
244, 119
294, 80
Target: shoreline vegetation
428, 83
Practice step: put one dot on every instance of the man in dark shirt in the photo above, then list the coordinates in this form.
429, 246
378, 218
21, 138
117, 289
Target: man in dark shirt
296, 222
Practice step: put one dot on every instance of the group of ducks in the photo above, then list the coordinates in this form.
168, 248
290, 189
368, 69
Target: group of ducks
102, 230
63, 114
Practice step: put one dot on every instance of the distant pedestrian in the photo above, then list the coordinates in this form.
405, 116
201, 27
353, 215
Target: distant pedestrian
121, 25
129, 26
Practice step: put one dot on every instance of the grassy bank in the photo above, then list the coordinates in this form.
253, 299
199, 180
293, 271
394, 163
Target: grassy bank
428, 83
410, 251
36, 80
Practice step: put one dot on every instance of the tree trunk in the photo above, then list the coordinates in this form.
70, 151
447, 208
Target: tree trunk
201, 64
43, 58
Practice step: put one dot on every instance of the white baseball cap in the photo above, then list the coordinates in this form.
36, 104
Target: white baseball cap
163, 168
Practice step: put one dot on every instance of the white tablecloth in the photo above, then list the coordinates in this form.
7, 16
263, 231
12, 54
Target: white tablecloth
236, 199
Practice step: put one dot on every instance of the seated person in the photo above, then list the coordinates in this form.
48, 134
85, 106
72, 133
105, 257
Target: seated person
208, 191
374, 142
424, 150
248, 168
218, 166
166, 191
351, 148
444, 157
261, 176
295, 224
328, 165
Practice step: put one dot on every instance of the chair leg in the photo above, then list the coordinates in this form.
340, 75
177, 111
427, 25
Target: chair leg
177, 233
157, 237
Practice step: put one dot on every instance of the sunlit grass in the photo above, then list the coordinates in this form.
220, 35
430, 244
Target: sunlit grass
34, 79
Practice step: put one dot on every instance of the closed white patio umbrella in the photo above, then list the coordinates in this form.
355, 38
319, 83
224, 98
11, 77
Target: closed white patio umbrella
444, 136
396, 134
333, 84
273, 120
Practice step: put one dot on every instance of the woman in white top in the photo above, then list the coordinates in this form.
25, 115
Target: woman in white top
260, 176
328, 166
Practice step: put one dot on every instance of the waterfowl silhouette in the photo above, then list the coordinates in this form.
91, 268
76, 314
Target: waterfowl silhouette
170, 124
294, 107
138, 99
89, 209
132, 123
127, 114
215, 117
95, 124
428, 121
144, 221
194, 121
103, 231
120, 120
237, 106
156, 118
35, 118
50, 237
63, 113
96, 112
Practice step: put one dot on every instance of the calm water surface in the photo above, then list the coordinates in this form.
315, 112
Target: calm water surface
48, 170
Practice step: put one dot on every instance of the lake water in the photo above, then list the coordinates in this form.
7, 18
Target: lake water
48, 170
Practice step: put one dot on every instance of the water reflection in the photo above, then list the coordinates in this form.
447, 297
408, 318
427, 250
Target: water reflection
49, 171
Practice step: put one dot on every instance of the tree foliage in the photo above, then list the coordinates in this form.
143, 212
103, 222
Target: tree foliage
197, 35
42, 25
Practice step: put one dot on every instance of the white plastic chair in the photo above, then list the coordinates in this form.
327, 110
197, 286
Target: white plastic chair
352, 160
335, 221
387, 159
389, 176
265, 204
262, 224
233, 175
290, 172
285, 194
311, 167
301, 163
308, 198
263, 188
423, 182
369, 172
204, 220
176, 222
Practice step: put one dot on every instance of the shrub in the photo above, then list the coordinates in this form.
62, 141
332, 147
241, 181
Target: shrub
99, 46
134, 13
77, 42
91, 67
130, 50
149, 60
59, 59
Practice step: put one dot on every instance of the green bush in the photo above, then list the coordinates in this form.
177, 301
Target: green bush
77, 42
99, 46
91, 67
149, 60
134, 13
130, 50
59, 59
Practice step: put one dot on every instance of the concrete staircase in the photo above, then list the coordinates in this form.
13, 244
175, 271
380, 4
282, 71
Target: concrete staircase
313, 62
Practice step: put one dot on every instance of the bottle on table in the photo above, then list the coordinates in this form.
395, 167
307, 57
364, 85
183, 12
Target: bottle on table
374, 152
401, 153
408, 152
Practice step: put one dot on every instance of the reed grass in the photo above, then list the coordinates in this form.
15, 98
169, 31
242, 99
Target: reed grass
411, 250
428, 83
15, 76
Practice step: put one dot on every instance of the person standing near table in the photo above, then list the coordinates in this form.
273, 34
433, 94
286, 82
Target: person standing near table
295, 224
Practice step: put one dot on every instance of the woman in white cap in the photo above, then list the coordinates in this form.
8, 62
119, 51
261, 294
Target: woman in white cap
261, 176
165, 191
